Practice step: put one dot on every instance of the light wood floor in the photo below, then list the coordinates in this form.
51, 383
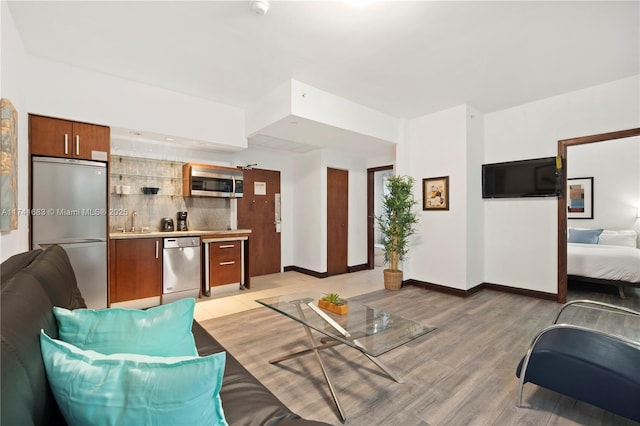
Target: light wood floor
461, 374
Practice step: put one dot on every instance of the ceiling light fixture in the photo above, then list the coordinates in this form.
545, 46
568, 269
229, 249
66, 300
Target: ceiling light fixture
260, 7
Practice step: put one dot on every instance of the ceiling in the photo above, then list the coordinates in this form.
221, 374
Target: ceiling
405, 59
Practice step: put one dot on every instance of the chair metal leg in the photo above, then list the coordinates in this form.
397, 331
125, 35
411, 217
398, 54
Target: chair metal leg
520, 391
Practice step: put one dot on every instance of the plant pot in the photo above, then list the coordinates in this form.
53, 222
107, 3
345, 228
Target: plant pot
332, 307
323, 304
392, 279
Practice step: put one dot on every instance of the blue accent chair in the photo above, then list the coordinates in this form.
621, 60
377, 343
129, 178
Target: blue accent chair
589, 365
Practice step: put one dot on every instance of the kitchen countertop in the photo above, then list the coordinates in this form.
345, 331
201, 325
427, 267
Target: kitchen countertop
118, 235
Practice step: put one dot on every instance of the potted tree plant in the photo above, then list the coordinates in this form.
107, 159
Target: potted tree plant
396, 223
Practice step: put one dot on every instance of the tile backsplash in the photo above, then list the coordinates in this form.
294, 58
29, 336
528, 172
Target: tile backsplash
136, 173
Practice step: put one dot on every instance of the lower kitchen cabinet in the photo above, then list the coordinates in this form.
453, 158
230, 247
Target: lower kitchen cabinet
135, 269
225, 262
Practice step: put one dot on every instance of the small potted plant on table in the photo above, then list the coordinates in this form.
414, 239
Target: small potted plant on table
334, 303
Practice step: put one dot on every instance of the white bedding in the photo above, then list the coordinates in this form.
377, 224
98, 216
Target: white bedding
604, 262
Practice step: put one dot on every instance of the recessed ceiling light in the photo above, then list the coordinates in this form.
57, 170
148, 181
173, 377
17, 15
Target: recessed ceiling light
169, 139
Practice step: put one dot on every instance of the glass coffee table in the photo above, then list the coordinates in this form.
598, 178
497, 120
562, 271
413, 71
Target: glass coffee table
370, 330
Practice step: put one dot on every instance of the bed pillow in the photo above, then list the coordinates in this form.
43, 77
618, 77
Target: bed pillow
625, 238
584, 236
164, 330
92, 388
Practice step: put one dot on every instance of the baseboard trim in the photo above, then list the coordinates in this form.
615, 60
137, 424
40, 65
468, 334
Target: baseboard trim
479, 287
306, 271
440, 288
357, 268
521, 291
437, 287
316, 274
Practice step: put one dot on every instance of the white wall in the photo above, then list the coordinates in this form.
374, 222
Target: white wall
309, 213
520, 241
615, 169
310, 208
275, 106
438, 147
69, 92
323, 107
475, 211
168, 152
13, 86
44, 87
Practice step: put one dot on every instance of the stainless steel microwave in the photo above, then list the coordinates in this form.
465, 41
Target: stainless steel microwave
201, 180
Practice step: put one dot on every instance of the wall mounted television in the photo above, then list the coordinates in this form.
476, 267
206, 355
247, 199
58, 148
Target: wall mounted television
537, 177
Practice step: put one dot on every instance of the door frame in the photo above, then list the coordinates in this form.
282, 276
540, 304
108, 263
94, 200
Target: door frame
370, 211
562, 199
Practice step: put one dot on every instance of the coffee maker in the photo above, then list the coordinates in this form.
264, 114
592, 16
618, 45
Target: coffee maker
182, 221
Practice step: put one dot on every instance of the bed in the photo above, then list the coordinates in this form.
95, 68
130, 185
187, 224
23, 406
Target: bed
604, 257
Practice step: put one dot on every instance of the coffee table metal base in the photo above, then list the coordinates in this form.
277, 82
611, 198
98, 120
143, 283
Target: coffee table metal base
328, 342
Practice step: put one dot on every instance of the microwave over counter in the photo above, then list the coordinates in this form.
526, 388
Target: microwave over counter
203, 180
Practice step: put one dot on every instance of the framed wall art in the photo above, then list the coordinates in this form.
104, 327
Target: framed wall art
580, 198
8, 166
435, 193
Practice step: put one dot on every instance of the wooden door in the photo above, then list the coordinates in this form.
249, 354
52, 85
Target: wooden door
136, 271
337, 221
258, 213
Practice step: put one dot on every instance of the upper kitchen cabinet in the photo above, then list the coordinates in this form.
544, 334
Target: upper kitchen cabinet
56, 137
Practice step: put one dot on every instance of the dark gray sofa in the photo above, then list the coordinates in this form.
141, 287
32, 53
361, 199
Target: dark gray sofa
35, 281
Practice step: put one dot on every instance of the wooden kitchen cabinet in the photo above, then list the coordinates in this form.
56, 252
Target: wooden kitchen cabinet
56, 137
135, 269
225, 262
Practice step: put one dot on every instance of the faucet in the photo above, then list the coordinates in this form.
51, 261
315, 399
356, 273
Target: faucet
133, 220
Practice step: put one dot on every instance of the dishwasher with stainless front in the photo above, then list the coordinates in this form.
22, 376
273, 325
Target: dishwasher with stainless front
181, 269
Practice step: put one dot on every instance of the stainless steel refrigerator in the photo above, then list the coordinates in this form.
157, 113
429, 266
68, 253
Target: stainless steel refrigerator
69, 208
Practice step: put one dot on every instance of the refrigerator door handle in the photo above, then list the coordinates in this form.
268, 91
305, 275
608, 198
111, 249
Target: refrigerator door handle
69, 241
66, 144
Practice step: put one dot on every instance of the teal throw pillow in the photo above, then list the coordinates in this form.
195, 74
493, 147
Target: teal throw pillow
127, 389
164, 330
584, 236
